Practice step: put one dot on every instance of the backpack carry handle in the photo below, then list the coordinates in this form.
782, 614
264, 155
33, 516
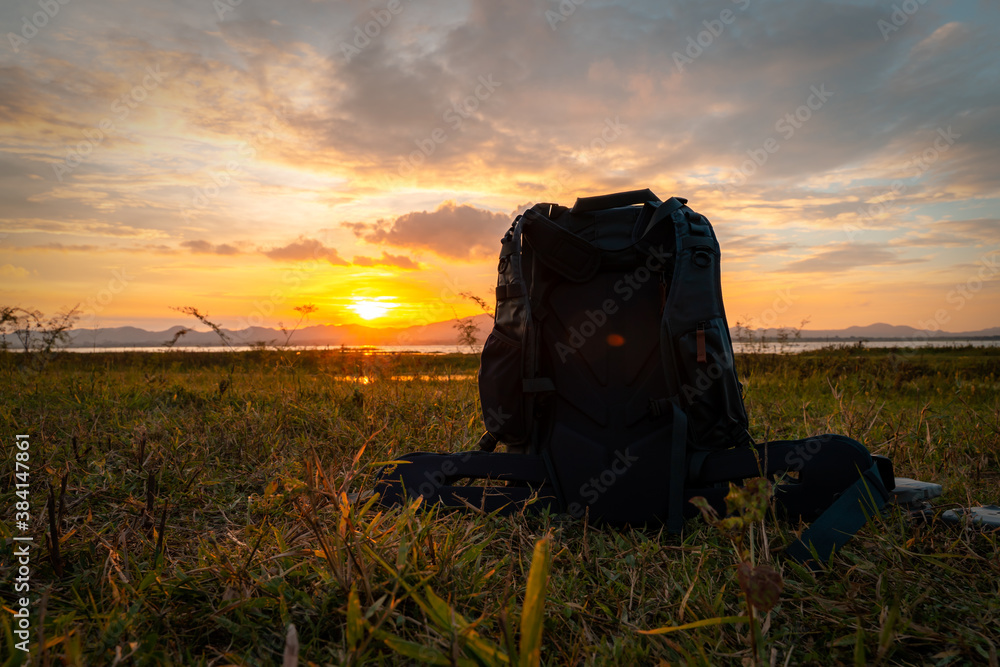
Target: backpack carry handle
586, 204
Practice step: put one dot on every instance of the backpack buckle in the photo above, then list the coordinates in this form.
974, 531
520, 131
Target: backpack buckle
487, 443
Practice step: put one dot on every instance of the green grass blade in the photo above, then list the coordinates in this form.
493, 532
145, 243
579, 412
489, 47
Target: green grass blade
424, 654
450, 621
441, 613
355, 622
718, 620
533, 614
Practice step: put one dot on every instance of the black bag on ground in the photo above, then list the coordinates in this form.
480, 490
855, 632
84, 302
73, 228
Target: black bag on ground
609, 377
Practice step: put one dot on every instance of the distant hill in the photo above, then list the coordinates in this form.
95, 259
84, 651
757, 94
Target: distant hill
437, 333
444, 333
882, 331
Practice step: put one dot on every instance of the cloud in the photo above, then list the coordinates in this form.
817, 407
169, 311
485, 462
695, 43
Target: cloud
71, 247
978, 230
261, 120
201, 247
847, 256
78, 228
305, 249
455, 231
11, 271
752, 246
399, 261
90, 249
953, 234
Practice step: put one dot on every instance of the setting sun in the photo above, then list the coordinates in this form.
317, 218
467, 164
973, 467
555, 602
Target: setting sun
370, 309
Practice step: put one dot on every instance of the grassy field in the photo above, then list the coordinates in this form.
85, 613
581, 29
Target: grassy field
203, 502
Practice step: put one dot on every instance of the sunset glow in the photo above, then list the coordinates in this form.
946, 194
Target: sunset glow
253, 158
370, 309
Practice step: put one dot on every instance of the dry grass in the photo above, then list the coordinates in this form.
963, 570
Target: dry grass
203, 503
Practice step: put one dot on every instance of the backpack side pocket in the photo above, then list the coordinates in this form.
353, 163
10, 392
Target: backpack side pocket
501, 388
710, 390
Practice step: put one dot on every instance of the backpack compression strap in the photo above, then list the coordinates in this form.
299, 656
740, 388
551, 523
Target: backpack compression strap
678, 470
841, 520
435, 477
839, 486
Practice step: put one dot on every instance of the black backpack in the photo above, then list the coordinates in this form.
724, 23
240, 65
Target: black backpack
609, 377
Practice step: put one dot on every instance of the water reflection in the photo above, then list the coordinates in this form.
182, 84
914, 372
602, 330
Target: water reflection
368, 379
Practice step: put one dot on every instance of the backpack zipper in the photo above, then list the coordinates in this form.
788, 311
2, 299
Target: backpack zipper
702, 355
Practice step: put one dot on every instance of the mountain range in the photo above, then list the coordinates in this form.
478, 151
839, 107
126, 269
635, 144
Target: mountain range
442, 333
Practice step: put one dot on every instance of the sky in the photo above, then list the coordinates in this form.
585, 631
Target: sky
246, 157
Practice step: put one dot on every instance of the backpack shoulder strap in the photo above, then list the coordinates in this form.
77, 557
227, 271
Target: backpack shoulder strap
679, 432
697, 351
560, 249
841, 520
504, 405
663, 211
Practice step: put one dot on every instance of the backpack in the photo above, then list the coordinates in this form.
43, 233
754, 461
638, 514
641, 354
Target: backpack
609, 376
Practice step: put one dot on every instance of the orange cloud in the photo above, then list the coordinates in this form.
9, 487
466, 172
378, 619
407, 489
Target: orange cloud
399, 261
456, 231
304, 250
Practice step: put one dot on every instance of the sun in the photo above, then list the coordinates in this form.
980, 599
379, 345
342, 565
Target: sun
372, 308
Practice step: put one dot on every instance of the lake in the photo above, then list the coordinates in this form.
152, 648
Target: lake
790, 347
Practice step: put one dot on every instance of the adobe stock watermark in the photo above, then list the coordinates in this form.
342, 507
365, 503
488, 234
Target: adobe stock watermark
626, 286
455, 116
901, 14
713, 30
719, 362
494, 420
366, 32
988, 266
566, 9
957, 297
796, 459
786, 126
707, 375
783, 300
592, 490
920, 163
437, 312
30, 28
292, 279
121, 108
589, 152
223, 7
120, 280
438, 478
610, 132
222, 176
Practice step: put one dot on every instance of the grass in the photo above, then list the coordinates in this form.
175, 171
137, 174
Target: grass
204, 502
